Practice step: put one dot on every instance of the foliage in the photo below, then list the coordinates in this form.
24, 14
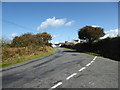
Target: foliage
108, 47
28, 45
45, 37
29, 39
16, 55
90, 33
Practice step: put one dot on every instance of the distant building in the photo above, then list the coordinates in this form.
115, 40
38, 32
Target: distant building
72, 42
57, 45
61, 43
53, 45
76, 41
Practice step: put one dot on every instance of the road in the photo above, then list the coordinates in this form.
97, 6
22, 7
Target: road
64, 69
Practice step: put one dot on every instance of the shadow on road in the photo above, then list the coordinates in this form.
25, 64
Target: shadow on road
70, 51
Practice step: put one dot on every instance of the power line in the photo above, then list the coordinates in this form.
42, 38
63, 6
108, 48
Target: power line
18, 25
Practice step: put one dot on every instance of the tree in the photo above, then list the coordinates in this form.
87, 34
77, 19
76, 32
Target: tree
90, 33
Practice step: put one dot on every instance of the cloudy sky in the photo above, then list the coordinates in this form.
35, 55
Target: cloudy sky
62, 20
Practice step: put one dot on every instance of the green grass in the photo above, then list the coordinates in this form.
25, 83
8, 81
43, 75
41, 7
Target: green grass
90, 53
21, 59
69, 48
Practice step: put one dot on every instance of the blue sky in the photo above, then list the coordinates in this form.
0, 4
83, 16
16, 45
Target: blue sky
61, 19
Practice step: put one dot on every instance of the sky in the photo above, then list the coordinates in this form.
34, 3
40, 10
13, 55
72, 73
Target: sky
60, 19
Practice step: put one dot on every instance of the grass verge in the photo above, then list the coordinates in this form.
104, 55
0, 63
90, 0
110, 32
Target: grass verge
25, 58
90, 53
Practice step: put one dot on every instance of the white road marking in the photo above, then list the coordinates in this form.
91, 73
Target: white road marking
71, 76
82, 69
58, 84
91, 61
88, 64
94, 58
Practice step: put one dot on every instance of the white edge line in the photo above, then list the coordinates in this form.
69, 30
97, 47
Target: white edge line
56, 85
71, 76
82, 69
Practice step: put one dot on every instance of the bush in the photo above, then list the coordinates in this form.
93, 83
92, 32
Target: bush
10, 53
108, 47
26, 44
29, 39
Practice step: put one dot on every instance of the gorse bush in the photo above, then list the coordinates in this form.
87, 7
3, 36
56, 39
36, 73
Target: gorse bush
26, 44
16, 55
29, 39
10, 53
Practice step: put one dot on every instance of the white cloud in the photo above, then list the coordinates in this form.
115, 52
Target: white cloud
53, 22
110, 33
95, 26
14, 34
69, 23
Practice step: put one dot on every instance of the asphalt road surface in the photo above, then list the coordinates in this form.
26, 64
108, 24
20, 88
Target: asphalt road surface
64, 69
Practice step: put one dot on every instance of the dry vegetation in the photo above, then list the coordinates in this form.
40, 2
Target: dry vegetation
26, 47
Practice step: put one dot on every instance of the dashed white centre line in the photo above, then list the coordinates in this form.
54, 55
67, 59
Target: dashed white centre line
94, 58
88, 64
58, 84
92, 61
82, 69
71, 76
